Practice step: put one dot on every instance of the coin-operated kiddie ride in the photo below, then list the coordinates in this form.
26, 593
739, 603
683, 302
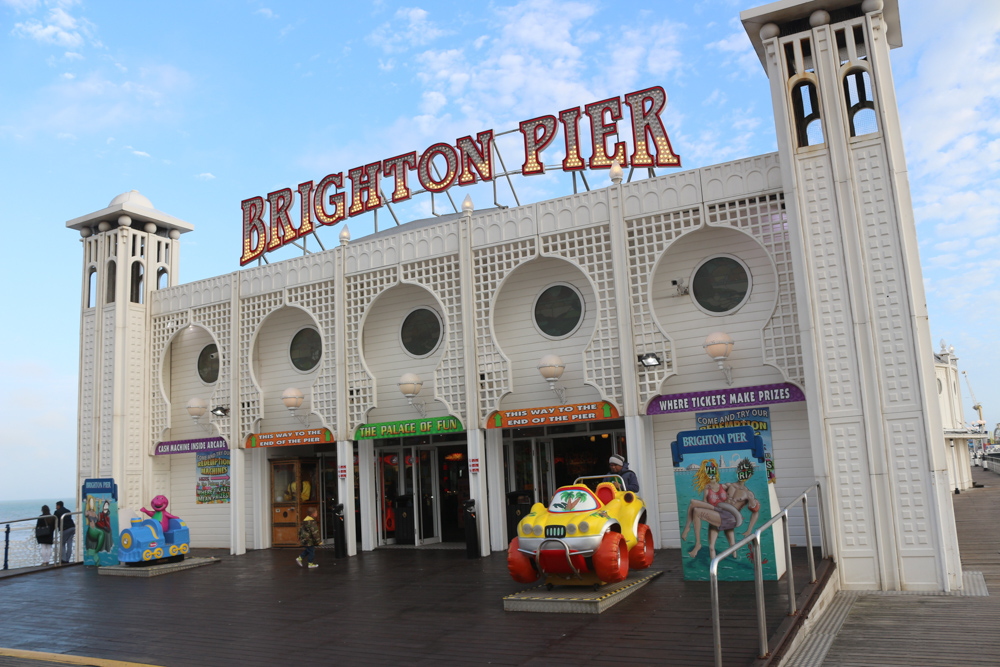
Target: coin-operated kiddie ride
162, 536
584, 537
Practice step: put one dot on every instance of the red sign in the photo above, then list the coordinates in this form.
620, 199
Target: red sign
556, 414
342, 471
474, 465
313, 436
468, 161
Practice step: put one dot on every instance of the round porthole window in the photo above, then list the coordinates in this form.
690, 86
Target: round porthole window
421, 332
208, 364
559, 310
306, 349
721, 284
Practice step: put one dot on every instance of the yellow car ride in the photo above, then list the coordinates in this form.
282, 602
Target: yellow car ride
583, 536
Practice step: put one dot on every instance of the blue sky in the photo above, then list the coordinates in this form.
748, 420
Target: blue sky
201, 105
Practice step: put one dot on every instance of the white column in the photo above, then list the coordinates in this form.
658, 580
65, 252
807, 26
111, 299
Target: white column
642, 461
345, 492
478, 488
366, 493
497, 492
237, 455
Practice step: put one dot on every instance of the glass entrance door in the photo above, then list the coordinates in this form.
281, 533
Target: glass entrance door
544, 473
426, 484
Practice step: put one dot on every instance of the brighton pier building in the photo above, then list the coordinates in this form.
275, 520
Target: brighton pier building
493, 355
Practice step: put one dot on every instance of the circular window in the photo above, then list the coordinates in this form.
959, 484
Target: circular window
721, 284
208, 364
421, 332
559, 311
306, 349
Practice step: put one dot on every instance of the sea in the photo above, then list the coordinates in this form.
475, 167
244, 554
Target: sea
23, 509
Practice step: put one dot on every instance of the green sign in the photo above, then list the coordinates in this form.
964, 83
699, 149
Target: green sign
408, 427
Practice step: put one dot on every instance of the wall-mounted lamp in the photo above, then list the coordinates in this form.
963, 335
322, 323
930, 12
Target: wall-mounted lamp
410, 384
551, 367
197, 407
679, 285
718, 346
292, 398
220, 411
650, 359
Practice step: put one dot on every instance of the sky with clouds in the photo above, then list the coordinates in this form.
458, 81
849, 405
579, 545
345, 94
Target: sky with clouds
201, 105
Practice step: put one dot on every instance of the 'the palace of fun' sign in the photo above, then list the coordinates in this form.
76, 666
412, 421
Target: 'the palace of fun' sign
467, 161
408, 427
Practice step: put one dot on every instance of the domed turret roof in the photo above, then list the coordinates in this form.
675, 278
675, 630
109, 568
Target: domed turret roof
133, 197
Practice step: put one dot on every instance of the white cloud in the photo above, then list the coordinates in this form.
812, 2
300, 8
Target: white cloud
65, 135
738, 53
266, 13
72, 55
205, 176
68, 75
60, 29
410, 27
140, 153
19, 6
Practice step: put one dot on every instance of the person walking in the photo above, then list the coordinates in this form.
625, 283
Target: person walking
44, 529
68, 531
309, 538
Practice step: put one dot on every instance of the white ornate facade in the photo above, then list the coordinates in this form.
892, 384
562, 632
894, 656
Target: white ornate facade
824, 228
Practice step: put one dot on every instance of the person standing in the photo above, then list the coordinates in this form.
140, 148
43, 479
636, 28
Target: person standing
44, 529
309, 538
68, 531
618, 466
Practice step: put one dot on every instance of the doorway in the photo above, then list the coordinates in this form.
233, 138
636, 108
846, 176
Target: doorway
420, 491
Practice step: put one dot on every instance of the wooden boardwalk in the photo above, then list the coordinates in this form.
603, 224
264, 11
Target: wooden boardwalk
928, 631
388, 607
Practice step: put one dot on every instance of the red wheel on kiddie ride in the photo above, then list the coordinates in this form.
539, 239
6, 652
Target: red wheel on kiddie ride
641, 555
610, 559
519, 565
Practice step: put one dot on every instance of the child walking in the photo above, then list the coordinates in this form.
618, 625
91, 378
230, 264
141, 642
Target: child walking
309, 538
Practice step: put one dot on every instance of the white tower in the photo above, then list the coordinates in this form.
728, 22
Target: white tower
875, 428
129, 249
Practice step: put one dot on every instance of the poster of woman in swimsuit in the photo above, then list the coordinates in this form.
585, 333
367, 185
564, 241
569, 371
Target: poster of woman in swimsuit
722, 493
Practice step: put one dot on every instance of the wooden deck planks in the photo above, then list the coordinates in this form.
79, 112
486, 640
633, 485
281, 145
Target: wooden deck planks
931, 631
388, 607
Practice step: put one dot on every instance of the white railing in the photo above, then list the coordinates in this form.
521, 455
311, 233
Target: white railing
992, 462
758, 571
21, 549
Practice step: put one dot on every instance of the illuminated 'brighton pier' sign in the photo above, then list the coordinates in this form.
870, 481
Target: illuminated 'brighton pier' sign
468, 161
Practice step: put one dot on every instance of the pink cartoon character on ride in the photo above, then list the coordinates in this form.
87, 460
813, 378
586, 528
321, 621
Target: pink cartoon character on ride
159, 512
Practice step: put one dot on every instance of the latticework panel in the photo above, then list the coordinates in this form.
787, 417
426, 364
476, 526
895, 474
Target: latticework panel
361, 290
252, 312
648, 238
164, 327
318, 300
764, 218
105, 442
441, 276
218, 320
590, 249
490, 265
87, 379
135, 372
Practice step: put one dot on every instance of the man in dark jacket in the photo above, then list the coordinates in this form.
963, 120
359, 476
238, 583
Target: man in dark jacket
618, 466
68, 531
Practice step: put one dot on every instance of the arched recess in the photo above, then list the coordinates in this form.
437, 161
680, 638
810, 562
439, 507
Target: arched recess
385, 358
179, 381
91, 287
806, 114
111, 281
135, 282
523, 343
687, 325
162, 278
860, 103
272, 370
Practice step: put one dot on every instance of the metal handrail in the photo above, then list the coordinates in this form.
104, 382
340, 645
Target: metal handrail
758, 569
57, 543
